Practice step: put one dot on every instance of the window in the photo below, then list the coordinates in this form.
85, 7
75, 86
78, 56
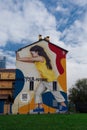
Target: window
54, 86
31, 85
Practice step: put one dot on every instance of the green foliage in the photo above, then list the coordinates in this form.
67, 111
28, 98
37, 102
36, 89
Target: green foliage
79, 92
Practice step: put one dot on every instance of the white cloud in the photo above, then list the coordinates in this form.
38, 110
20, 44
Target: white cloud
77, 33
76, 65
75, 71
10, 59
24, 20
62, 9
10, 65
76, 39
79, 2
1, 52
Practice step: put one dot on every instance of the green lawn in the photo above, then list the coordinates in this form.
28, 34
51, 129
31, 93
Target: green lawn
44, 122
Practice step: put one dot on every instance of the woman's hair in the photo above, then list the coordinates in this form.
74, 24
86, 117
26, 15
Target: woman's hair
41, 52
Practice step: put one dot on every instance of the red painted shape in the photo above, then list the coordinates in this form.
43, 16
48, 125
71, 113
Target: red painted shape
59, 56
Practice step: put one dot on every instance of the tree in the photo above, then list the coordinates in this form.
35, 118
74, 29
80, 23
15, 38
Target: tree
78, 94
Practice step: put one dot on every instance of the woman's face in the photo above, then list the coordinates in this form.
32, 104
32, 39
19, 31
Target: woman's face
34, 54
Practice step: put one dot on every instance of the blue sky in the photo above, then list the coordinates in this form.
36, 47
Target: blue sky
21, 21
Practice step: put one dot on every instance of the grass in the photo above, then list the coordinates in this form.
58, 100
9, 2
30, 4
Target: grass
44, 122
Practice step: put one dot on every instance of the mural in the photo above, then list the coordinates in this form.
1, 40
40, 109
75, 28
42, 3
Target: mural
40, 79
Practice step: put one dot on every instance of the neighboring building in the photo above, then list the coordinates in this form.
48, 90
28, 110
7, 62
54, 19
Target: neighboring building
28, 79
2, 62
7, 79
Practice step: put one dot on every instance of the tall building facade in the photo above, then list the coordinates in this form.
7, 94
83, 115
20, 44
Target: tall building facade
36, 83
2, 62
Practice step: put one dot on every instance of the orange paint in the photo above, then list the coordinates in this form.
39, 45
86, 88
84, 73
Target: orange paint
62, 77
26, 108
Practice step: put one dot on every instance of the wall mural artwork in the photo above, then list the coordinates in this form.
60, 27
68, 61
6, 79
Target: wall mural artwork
40, 79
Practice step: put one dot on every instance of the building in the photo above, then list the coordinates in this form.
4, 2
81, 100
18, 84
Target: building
28, 79
7, 79
2, 62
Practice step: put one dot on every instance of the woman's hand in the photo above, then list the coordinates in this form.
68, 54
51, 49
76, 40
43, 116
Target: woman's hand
17, 56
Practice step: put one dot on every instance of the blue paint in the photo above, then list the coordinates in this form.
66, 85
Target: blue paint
48, 99
19, 83
1, 106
